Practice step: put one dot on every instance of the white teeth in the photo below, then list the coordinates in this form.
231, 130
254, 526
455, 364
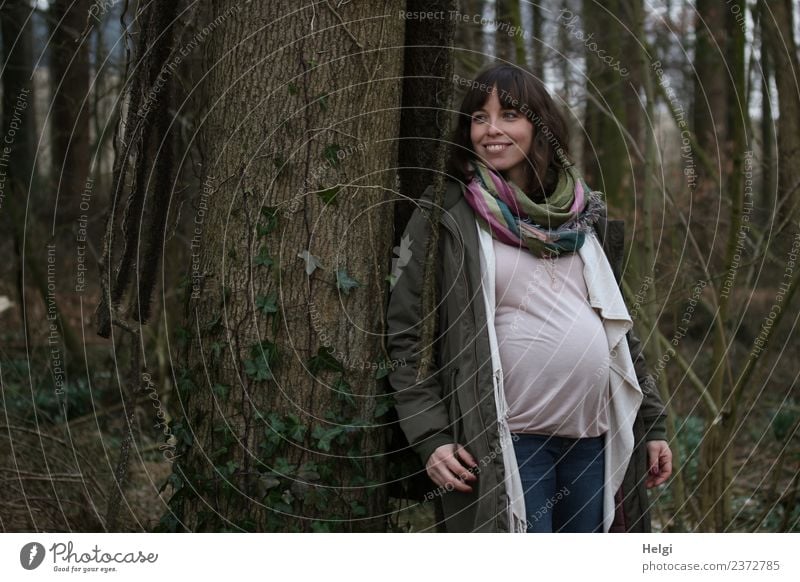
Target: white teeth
496, 148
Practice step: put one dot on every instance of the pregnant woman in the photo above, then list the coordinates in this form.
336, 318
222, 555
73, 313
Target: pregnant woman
538, 413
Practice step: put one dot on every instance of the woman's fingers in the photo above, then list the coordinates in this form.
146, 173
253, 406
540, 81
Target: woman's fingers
659, 463
466, 457
446, 470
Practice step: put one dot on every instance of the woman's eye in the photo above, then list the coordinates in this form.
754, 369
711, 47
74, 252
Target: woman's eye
479, 119
510, 115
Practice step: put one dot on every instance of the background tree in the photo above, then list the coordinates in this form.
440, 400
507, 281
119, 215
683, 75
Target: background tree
69, 58
777, 18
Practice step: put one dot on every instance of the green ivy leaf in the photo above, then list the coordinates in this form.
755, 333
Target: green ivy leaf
264, 357
330, 154
329, 195
271, 215
182, 336
343, 391
275, 428
383, 369
257, 369
383, 405
324, 436
216, 349
213, 323
295, 430
283, 466
324, 360
267, 304
263, 259
308, 471
323, 101
345, 282
358, 509
221, 391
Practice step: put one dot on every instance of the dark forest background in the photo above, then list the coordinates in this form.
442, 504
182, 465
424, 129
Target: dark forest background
200, 203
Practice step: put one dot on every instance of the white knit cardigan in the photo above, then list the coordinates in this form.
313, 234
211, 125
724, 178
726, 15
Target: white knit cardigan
626, 395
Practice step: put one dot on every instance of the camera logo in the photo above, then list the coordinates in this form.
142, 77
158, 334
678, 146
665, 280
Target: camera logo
31, 555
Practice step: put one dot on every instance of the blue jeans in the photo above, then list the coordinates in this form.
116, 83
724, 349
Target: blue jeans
563, 482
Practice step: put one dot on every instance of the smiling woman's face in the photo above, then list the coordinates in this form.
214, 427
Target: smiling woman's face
502, 139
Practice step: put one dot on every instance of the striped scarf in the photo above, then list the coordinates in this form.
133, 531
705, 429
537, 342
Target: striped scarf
554, 227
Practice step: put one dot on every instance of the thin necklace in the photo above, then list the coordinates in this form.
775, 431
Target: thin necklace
550, 265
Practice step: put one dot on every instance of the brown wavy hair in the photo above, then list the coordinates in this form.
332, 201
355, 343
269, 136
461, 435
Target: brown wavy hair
518, 89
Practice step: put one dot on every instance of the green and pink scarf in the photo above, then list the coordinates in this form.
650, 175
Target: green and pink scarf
548, 229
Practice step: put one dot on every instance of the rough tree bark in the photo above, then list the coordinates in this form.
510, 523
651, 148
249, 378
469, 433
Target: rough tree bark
777, 18
299, 110
469, 39
711, 117
69, 135
604, 152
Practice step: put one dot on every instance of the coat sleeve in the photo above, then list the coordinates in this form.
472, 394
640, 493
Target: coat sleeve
612, 236
422, 414
652, 408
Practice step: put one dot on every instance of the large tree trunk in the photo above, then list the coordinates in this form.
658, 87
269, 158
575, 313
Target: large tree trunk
469, 39
716, 452
538, 40
300, 116
69, 74
777, 21
604, 152
426, 110
710, 117
503, 43
20, 191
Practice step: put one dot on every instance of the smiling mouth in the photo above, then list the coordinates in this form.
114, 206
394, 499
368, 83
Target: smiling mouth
496, 148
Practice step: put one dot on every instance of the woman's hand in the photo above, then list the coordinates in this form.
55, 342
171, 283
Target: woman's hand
659, 463
449, 467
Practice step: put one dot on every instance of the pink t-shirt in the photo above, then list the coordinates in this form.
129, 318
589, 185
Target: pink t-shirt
553, 346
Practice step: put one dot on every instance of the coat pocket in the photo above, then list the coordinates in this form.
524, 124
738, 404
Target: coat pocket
454, 408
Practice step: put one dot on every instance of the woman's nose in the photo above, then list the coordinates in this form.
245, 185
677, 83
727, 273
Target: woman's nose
493, 129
